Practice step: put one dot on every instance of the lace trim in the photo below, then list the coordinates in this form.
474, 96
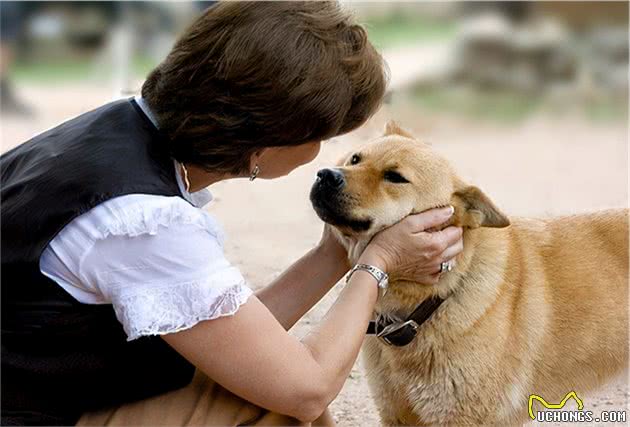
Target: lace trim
139, 219
174, 308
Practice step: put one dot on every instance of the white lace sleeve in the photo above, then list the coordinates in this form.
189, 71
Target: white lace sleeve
163, 271
174, 307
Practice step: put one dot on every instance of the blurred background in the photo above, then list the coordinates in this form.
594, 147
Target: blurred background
529, 100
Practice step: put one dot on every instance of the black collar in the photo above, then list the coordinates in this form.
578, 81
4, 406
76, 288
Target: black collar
400, 334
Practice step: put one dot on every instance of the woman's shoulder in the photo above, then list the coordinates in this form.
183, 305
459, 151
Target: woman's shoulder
146, 256
112, 233
137, 214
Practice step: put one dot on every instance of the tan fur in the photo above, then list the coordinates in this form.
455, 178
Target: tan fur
539, 306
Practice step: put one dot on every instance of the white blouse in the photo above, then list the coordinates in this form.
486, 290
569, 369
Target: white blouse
158, 260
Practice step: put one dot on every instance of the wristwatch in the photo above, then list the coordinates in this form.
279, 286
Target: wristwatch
382, 279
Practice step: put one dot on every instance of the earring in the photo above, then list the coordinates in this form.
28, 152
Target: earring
254, 173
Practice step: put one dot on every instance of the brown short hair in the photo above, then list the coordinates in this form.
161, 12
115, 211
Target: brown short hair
248, 75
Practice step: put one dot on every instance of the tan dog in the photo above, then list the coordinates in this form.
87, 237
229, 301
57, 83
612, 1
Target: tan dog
531, 307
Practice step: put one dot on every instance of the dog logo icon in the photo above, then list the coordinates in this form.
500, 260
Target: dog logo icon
547, 405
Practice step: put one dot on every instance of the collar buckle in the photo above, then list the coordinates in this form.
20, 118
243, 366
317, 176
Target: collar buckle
399, 334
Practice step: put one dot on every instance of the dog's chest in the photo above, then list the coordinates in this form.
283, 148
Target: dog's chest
411, 385
436, 379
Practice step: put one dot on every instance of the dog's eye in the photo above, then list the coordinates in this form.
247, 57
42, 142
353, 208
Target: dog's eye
395, 177
355, 159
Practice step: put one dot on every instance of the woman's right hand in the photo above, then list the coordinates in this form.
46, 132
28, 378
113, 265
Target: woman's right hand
407, 248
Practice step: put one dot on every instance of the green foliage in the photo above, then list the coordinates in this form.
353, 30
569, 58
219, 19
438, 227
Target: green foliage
73, 70
398, 30
507, 106
494, 105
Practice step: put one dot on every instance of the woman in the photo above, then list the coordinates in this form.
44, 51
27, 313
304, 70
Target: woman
103, 212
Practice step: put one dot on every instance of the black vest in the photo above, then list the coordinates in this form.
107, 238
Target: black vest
61, 358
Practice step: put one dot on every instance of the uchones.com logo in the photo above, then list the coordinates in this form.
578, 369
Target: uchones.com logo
555, 412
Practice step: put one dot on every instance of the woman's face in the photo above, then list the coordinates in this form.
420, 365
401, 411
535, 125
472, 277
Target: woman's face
275, 162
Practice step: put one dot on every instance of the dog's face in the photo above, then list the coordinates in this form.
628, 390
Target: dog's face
394, 176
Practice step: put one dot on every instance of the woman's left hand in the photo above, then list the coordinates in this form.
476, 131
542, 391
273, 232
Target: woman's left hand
331, 246
299, 288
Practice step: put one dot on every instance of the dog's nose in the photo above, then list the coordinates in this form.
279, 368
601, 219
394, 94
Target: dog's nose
331, 177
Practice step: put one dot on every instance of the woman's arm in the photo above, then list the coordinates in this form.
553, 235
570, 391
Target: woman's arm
303, 284
251, 354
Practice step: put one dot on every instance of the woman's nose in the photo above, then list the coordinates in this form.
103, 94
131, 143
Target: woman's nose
331, 177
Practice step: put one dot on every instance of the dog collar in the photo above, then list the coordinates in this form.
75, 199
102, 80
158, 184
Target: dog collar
400, 334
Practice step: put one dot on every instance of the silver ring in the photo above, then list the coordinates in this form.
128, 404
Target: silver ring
445, 267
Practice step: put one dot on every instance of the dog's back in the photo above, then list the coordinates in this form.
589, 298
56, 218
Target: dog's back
573, 276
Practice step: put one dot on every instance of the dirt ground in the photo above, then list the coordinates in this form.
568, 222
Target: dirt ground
543, 166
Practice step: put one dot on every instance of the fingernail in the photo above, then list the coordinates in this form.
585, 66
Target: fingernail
451, 211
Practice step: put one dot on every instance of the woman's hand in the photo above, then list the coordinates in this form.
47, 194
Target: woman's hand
405, 248
299, 288
330, 245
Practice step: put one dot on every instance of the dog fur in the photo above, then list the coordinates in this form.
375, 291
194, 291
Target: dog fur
533, 306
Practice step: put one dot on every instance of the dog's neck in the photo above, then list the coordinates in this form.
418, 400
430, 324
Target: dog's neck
482, 257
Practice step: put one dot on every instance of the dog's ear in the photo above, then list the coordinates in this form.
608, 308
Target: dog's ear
473, 209
392, 128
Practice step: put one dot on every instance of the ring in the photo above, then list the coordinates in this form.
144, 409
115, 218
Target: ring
445, 267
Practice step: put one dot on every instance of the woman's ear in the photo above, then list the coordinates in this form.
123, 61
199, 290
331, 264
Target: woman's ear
392, 128
473, 209
257, 158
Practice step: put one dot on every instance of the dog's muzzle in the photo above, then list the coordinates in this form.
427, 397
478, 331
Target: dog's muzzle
330, 202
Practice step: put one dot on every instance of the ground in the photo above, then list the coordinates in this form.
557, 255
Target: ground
539, 167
